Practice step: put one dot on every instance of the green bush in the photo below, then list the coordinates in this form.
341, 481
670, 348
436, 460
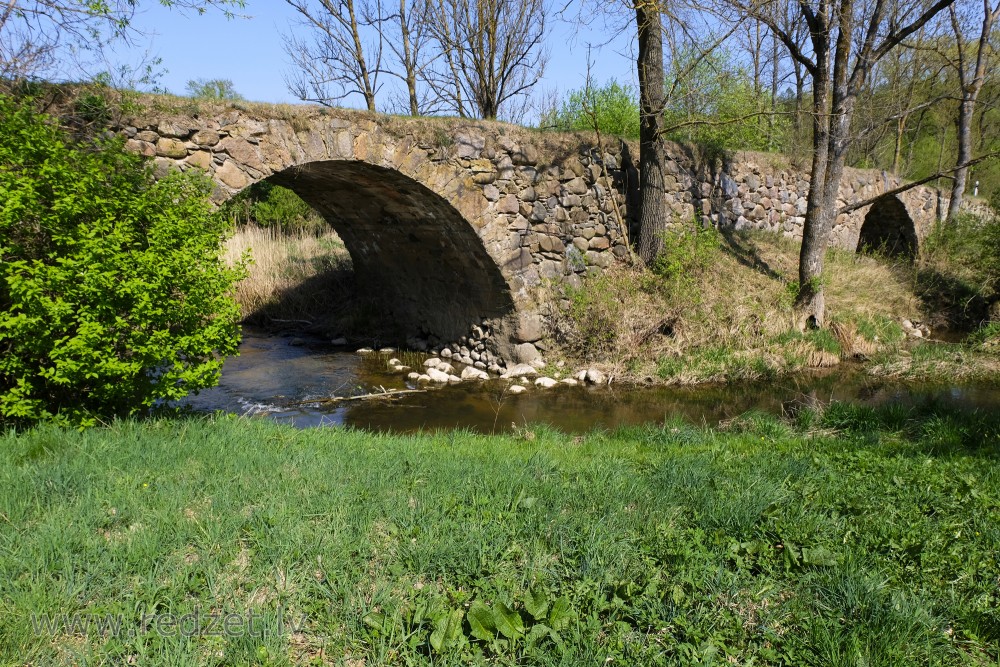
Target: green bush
268, 205
688, 250
611, 108
710, 101
969, 248
112, 292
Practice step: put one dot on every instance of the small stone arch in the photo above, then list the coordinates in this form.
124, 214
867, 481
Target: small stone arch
888, 230
413, 252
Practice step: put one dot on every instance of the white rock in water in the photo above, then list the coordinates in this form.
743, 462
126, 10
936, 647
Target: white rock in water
595, 376
394, 362
433, 362
446, 368
570, 382
470, 373
582, 375
454, 379
466, 359
516, 389
387, 350
446, 353
437, 376
520, 370
413, 376
365, 350
400, 368
545, 383
423, 378
340, 342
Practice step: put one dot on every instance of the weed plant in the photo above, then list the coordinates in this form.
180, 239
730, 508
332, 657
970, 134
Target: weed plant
852, 535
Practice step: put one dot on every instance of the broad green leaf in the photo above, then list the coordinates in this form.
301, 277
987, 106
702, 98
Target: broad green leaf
481, 622
508, 621
820, 556
561, 614
536, 603
447, 630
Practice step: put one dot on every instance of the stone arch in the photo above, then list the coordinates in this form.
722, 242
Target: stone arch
888, 229
413, 252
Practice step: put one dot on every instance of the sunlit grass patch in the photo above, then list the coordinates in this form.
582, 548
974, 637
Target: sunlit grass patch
852, 532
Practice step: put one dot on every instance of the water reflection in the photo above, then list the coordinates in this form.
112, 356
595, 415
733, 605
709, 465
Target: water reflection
272, 376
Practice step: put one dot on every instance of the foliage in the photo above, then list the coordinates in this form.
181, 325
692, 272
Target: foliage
960, 268
112, 293
36, 36
268, 205
713, 103
854, 535
213, 89
610, 109
688, 249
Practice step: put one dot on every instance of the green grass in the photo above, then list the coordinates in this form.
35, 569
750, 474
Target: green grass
847, 536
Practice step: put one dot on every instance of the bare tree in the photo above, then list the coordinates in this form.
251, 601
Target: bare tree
971, 62
406, 31
32, 31
846, 39
335, 62
490, 53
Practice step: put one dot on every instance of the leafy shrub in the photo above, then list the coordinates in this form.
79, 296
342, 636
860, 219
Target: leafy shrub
688, 249
611, 109
959, 272
268, 205
112, 292
711, 104
213, 89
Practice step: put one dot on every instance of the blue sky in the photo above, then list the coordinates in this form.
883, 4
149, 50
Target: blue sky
249, 51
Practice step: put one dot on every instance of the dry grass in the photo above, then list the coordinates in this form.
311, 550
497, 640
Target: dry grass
731, 318
293, 277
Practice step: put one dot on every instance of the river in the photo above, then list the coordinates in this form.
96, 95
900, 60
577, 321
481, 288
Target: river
286, 379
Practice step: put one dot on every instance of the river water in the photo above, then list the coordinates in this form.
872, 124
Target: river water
286, 379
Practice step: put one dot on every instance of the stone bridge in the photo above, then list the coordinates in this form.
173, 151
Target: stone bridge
454, 224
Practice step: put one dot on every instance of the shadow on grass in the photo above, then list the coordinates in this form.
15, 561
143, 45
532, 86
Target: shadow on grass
953, 299
330, 303
744, 251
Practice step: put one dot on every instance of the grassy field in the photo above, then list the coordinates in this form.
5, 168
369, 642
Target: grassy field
851, 537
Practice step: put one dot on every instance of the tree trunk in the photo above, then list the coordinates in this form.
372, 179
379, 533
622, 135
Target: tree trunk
964, 126
809, 300
408, 59
368, 91
652, 213
970, 95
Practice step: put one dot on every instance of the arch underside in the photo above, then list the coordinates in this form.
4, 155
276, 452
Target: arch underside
888, 230
414, 255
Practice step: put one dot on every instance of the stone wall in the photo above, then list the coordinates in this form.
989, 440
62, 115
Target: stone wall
455, 224
763, 192
450, 225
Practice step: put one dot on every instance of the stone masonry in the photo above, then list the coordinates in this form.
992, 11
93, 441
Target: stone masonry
455, 224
